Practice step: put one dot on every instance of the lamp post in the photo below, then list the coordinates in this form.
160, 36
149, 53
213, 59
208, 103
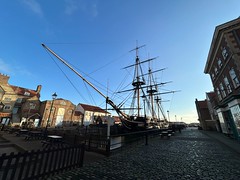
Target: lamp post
54, 96
1, 105
168, 116
1, 109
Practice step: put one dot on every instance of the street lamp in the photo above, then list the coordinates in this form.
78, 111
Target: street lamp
54, 96
1, 109
168, 116
1, 105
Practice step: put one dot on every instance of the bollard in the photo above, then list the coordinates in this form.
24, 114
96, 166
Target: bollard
146, 135
108, 147
89, 142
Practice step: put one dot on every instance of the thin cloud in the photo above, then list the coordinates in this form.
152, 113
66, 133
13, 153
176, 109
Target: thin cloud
73, 6
4, 67
10, 69
34, 6
22, 71
94, 10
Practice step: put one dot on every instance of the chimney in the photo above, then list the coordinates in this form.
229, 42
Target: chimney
4, 78
39, 87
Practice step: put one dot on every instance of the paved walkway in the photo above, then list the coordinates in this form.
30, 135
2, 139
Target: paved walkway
193, 154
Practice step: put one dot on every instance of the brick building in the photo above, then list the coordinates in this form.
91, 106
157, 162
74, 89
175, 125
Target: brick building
63, 113
204, 115
17, 103
20, 105
223, 66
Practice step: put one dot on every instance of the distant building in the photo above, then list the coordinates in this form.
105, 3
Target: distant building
212, 103
223, 66
204, 116
92, 114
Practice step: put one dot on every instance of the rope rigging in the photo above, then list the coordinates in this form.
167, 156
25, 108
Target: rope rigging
66, 77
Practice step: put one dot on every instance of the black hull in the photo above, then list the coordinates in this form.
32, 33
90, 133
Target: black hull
135, 125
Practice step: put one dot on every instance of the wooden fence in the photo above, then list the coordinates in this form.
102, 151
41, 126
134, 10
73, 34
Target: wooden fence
40, 164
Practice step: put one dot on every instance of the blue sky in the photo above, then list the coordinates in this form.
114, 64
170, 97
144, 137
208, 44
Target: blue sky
96, 37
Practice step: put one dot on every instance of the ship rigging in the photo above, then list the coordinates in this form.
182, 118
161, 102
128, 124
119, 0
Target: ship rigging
145, 90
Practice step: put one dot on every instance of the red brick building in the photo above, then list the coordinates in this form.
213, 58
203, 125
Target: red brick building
17, 103
204, 116
223, 66
63, 113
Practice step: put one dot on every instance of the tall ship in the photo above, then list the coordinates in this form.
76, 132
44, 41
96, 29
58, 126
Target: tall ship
145, 111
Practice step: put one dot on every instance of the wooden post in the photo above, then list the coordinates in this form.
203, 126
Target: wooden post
82, 148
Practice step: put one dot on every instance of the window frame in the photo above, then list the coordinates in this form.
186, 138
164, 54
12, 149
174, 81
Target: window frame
219, 94
227, 84
220, 64
234, 77
223, 93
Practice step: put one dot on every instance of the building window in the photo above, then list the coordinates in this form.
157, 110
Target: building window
219, 63
213, 76
63, 103
219, 94
222, 90
7, 107
15, 110
216, 70
224, 53
234, 77
19, 100
26, 93
235, 110
32, 105
227, 84
7, 99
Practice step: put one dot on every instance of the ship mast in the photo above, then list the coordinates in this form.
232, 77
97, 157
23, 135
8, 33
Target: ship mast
138, 79
151, 89
90, 84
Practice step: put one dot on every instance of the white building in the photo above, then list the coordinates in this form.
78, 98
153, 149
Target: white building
92, 114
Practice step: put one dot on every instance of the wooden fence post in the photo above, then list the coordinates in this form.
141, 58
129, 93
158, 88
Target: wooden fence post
7, 167
75, 140
82, 149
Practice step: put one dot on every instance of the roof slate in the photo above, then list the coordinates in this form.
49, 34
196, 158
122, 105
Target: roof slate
87, 107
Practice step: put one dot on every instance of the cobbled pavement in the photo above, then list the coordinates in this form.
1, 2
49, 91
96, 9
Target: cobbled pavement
186, 156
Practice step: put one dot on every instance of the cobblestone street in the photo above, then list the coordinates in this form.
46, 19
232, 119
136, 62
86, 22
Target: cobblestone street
189, 155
